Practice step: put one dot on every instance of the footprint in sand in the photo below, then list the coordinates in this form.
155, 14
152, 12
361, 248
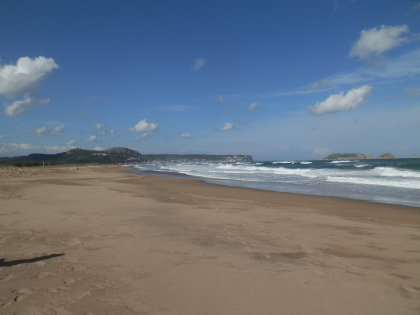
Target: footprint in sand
72, 242
21, 294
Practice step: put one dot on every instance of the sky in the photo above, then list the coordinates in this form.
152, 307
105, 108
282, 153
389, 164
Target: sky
278, 80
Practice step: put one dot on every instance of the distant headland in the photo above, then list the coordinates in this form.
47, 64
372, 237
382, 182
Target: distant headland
114, 156
356, 156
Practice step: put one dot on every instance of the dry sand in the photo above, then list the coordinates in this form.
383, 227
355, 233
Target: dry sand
103, 241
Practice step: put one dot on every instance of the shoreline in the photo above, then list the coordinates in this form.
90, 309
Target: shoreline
104, 240
217, 182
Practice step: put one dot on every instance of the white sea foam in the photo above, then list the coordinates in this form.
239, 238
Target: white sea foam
284, 162
409, 184
361, 165
395, 172
305, 162
256, 172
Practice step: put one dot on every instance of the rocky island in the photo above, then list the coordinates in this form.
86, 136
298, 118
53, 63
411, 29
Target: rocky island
386, 156
345, 156
355, 156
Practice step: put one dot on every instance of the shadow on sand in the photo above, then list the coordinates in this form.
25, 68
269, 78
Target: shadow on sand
11, 263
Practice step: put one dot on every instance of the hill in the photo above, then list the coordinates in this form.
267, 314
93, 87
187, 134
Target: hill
115, 155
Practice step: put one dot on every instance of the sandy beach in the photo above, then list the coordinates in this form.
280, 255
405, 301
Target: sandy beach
101, 240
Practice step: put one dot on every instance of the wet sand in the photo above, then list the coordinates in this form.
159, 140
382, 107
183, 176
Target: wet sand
101, 240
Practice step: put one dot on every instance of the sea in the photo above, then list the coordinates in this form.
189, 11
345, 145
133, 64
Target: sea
392, 181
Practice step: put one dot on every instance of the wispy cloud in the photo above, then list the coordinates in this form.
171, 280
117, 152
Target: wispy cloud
227, 126
198, 64
175, 108
91, 138
103, 129
342, 102
99, 126
95, 99
253, 107
185, 135
413, 91
406, 65
221, 100
319, 84
44, 131
19, 107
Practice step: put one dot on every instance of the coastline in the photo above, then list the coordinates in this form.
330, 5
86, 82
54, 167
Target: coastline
392, 182
136, 244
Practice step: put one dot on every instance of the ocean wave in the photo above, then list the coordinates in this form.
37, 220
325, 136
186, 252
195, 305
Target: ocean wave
305, 162
395, 172
407, 184
284, 162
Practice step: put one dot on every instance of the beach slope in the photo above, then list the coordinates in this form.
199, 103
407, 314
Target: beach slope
101, 240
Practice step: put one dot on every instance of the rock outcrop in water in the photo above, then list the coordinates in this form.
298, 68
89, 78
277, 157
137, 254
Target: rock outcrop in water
345, 156
386, 156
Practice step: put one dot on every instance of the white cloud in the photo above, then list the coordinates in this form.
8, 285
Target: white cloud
2, 136
91, 139
60, 148
22, 80
253, 107
227, 126
21, 106
111, 131
198, 64
44, 131
25, 76
99, 126
144, 126
71, 143
98, 148
23, 146
185, 135
16, 148
378, 40
58, 129
342, 102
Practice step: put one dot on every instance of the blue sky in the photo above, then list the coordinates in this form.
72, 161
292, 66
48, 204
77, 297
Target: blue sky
274, 79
